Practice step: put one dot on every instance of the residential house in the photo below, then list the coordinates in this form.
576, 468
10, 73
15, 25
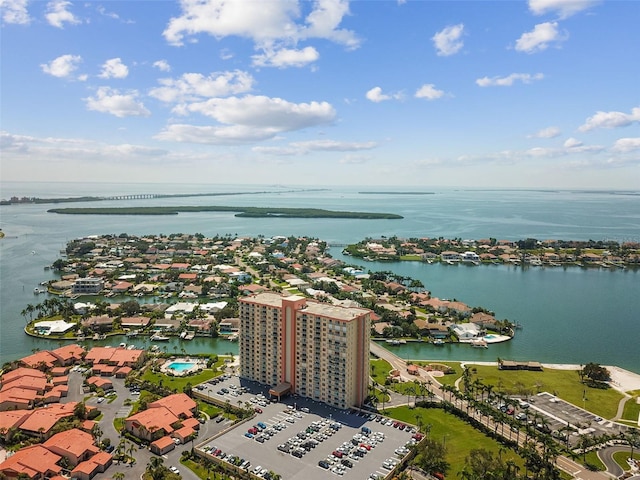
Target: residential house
34, 462
75, 445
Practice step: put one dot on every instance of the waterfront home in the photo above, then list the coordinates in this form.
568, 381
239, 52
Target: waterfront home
42, 359
117, 357
87, 286
465, 331
484, 320
99, 323
470, 257
450, 256
135, 322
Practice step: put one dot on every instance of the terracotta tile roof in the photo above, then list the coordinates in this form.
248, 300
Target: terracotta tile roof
69, 352
45, 357
13, 418
74, 442
154, 419
46, 418
163, 442
22, 372
27, 382
180, 404
33, 461
18, 395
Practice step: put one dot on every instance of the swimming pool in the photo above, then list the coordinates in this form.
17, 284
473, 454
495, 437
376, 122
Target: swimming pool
181, 366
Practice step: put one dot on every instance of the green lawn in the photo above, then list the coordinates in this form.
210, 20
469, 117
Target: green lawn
380, 370
592, 459
563, 383
459, 437
621, 458
632, 409
178, 383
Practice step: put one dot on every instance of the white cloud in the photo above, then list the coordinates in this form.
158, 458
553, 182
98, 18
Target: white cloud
286, 57
448, 41
195, 86
508, 80
564, 8
549, 132
15, 12
429, 91
540, 38
114, 68
375, 95
248, 119
611, 120
162, 65
324, 20
572, 143
272, 22
303, 148
333, 146
625, 145
57, 14
108, 100
63, 66
265, 112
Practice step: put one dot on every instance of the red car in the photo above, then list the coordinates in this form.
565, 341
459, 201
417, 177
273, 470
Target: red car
337, 454
258, 410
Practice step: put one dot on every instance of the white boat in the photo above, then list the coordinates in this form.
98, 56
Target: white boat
438, 342
156, 337
38, 290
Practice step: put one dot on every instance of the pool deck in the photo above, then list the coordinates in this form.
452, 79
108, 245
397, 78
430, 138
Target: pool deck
197, 364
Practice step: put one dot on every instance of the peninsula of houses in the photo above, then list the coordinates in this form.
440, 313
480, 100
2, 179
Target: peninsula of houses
528, 252
189, 285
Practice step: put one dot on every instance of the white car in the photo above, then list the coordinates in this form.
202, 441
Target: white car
174, 469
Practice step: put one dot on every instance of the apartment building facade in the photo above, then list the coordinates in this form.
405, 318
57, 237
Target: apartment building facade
314, 349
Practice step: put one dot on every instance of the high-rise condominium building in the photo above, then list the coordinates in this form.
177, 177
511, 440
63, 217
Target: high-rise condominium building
314, 349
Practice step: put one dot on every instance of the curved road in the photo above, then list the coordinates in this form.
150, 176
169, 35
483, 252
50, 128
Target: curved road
564, 463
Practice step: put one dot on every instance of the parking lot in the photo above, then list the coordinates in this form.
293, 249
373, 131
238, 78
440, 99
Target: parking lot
302, 439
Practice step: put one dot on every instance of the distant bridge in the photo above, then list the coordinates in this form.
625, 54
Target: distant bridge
137, 196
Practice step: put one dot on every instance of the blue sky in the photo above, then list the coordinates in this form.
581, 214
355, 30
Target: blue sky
544, 93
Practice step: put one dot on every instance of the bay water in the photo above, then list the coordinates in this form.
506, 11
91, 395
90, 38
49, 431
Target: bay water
569, 315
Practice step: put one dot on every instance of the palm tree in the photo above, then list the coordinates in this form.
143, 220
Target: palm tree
118, 476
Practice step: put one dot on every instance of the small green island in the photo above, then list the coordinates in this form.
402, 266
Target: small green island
252, 212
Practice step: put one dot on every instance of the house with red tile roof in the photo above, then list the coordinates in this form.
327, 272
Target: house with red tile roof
44, 358
162, 445
75, 445
12, 398
42, 420
152, 424
115, 356
36, 462
162, 417
11, 420
122, 372
70, 354
90, 468
180, 404
100, 382
59, 371
184, 434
